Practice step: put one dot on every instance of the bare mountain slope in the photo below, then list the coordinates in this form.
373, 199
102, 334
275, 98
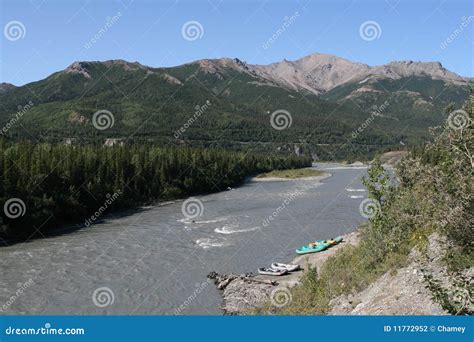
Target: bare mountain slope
319, 73
315, 73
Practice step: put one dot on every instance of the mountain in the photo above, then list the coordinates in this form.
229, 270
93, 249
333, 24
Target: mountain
4, 87
228, 103
319, 73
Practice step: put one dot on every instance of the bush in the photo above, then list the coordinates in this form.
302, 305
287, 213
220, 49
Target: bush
434, 194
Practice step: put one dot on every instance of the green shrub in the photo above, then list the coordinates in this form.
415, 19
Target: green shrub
434, 194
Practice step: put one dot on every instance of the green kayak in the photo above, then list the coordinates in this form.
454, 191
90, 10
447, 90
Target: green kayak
318, 246
313, 248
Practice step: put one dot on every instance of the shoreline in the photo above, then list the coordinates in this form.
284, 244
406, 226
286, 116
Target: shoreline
243, 294
281, 179
69, 228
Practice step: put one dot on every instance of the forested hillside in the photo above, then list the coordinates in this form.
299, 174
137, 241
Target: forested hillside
44, 186
228, 103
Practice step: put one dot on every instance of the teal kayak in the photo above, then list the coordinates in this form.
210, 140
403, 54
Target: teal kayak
313, 248
318, 246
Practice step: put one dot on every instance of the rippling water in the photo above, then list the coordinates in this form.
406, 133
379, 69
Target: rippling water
156, 261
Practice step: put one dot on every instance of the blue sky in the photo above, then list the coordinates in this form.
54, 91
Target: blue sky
53, 34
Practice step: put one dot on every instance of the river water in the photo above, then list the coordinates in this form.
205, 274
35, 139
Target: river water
155, 261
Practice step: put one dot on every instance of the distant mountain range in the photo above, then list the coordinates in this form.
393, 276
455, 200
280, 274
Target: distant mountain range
329, 99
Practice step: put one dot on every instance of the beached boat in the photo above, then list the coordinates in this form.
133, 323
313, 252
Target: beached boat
318, 245
271, 271
288, 267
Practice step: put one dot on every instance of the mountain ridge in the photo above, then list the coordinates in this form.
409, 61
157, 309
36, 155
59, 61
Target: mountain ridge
319, 72
329, 99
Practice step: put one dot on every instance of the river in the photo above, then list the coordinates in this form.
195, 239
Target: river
155, 261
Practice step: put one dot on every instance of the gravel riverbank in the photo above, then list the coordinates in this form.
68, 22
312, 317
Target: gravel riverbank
243, 293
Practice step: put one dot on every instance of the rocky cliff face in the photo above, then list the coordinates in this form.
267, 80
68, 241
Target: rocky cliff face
315, 73
407, 291
318, 73
435, 70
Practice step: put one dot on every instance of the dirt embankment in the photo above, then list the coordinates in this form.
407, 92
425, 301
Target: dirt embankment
405, 291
